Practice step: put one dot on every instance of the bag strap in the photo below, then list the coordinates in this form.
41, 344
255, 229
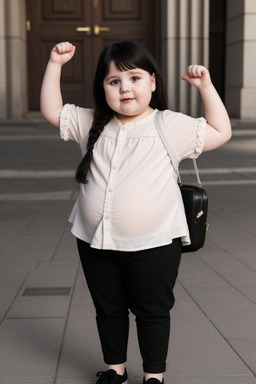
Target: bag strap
160, 126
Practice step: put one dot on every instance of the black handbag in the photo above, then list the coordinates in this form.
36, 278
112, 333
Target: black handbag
195, 202
194, 197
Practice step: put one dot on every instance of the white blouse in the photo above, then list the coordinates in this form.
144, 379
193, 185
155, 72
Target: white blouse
132, 200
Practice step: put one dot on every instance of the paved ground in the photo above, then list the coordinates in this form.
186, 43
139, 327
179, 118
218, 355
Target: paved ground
47, 327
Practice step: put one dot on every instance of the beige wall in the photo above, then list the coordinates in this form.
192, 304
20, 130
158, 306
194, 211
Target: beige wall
3, 70
13, 79
241, 58
187, 42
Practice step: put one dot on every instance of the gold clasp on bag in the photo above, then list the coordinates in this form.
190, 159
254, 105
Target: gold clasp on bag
199, 214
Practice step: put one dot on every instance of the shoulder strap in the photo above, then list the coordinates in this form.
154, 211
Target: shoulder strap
159, 123
160, 126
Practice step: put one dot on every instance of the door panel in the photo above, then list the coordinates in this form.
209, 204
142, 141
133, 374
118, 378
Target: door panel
130, 20
121, 10
134, 20
53, 21
62, 9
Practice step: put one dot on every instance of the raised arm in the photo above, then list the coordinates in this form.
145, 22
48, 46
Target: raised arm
218, 128
51, 98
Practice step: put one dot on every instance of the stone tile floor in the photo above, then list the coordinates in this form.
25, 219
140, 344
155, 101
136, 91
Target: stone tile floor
48, 333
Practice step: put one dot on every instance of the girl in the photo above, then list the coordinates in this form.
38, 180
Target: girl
127, 219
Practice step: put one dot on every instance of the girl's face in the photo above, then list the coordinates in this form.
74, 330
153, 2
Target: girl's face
128, 93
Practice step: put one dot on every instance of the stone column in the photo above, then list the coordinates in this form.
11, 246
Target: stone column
187, 43
16, 53
241, 59
3, 69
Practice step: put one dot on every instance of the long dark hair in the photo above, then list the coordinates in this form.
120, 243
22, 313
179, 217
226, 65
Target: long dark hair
126, 55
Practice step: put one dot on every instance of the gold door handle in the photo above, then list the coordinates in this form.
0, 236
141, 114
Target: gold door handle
98, 29
84, 29
28, 24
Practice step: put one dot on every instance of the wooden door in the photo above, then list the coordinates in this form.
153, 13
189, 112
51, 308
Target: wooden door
90, 25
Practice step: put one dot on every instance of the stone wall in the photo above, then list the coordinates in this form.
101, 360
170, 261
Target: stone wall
187, 42
241, 58
13, 72
3, 69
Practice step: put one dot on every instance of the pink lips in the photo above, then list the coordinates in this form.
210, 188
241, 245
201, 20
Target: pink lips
127, 100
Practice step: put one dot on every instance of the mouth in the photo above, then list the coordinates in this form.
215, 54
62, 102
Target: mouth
127, 100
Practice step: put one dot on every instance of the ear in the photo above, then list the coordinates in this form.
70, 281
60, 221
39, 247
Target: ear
153, 79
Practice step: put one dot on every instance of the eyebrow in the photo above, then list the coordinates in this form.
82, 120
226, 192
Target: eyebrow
132, 72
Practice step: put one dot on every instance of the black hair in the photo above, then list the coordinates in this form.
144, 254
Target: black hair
126, 55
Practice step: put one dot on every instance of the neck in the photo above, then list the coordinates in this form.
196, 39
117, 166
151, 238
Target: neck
131, 119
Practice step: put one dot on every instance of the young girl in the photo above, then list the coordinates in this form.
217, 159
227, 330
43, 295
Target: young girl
128, 220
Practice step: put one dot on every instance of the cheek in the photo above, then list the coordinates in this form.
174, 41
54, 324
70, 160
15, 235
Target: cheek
110, 96
145, 93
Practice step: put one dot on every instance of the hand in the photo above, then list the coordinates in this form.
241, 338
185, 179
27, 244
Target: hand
198, 76
62, 53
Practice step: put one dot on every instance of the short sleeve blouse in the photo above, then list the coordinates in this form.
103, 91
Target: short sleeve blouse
132, 200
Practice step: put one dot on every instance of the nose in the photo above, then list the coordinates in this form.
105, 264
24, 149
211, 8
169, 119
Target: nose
124, 86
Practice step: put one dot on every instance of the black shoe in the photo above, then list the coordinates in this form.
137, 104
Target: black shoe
152, 380
111, 377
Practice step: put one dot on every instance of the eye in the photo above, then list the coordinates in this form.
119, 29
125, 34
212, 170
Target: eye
114, 82
134, 79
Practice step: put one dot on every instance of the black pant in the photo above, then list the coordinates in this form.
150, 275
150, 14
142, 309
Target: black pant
141, 281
